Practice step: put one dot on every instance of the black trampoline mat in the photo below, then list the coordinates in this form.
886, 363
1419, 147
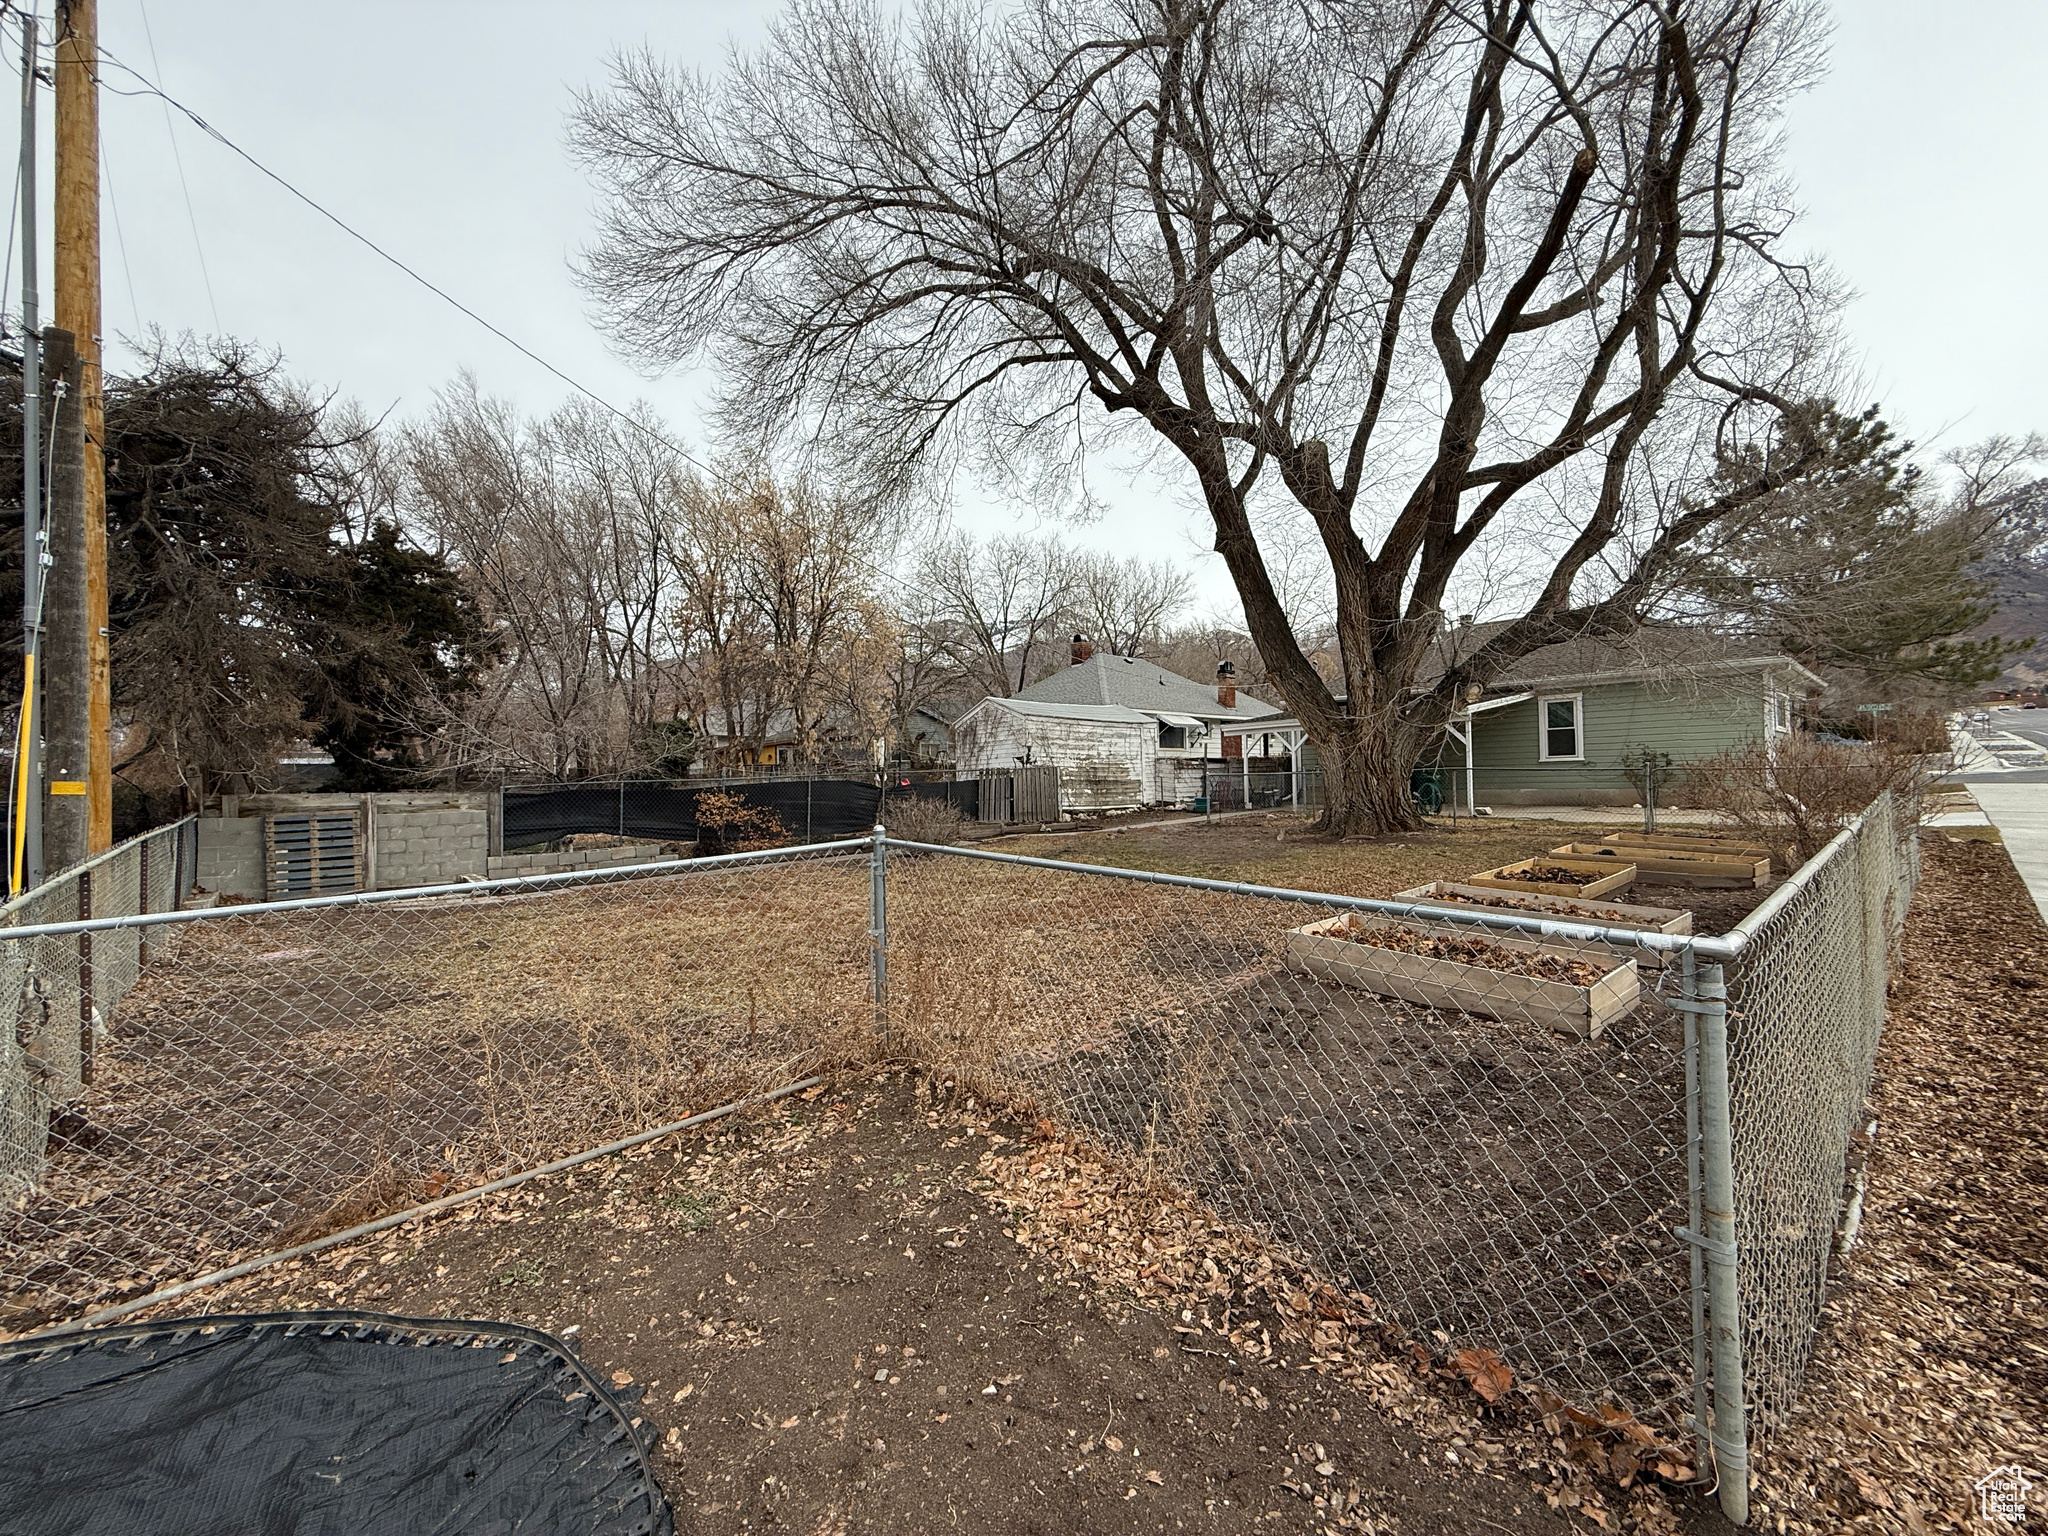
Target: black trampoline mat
316, 1424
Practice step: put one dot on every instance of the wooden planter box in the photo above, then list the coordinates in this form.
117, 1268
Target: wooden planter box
1593, 913
1690, 842
1600, 877
1558, 1005
1674, 866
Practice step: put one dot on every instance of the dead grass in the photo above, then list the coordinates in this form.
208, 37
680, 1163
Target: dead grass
1280, 850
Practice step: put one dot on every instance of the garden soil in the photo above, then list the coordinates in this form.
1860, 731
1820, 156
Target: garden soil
839, 1330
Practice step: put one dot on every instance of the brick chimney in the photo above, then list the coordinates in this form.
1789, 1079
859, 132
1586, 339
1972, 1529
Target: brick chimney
1226, 685
1082, 649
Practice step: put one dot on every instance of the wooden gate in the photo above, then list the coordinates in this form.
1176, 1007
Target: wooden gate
997, 793
1036, 794
1024, 793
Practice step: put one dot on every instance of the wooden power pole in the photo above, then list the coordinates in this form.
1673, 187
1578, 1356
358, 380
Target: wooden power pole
77, 302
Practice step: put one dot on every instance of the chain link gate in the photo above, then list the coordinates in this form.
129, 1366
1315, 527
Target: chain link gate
1612, 1155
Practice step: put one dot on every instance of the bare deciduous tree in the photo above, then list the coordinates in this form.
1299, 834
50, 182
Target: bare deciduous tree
1127, 606
1003, 606
564, 528
1434, 276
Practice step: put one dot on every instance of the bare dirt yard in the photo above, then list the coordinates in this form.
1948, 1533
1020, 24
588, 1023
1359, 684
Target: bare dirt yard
888, 1307
883, 1309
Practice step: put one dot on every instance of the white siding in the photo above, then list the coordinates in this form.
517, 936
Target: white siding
1104, 764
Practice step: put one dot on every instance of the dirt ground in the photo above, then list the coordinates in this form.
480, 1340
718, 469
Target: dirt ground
838, 1330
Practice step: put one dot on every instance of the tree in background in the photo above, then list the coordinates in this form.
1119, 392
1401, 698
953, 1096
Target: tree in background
566, 529
1127, 606
398, 648
806, 566
1867, 573
252, 598
1003, 607
1432, 279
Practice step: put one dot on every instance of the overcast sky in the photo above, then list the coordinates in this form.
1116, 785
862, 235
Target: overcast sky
436, 128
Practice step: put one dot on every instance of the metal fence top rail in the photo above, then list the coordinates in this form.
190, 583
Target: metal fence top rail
88, 866
1709, 947
504, 884
1548, 928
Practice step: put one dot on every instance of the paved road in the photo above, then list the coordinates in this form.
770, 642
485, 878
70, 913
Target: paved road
2030, 725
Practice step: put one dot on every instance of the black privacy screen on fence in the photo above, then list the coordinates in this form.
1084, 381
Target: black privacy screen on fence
811, 810
317, 1423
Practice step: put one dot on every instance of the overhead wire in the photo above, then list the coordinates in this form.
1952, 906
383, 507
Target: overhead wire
121, 240
151, 88
178, 159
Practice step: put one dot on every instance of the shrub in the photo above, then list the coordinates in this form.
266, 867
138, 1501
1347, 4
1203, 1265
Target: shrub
922, 819
728, 824
1800, 791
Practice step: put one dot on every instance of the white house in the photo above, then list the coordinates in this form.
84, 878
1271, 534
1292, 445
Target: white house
1123, 731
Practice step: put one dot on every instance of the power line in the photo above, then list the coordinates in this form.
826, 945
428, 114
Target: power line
179, 160
121, 241
151, 88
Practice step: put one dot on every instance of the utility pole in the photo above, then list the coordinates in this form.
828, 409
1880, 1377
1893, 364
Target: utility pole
77, 251
67, 816
25, 857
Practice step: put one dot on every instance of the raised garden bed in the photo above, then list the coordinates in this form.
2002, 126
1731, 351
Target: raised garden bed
1570, 991
1698, 842
1605, 914
1557, 877
1675, 866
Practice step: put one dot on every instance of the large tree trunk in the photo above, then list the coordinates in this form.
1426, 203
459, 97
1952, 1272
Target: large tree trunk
1365, 766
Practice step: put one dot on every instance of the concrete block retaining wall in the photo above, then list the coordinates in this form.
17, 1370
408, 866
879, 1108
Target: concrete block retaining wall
512, 864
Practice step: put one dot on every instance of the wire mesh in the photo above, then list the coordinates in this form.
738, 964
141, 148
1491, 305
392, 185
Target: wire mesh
1444, 1134
1806, 1011
1488, 1133
284, 1074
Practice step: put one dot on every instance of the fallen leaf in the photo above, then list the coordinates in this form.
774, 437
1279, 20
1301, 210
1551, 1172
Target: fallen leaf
1486, 1371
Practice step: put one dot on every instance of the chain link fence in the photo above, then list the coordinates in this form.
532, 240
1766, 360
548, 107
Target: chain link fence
1471, 1154
291, 1069
56, 998
1575, 1134
1806, 1010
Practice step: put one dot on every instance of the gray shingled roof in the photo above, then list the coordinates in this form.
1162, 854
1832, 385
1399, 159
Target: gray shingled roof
1135, 683
1109, 713
1666, 650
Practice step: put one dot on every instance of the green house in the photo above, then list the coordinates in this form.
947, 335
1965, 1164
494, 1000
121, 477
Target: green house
1558, 729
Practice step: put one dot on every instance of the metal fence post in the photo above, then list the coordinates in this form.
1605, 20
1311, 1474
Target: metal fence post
1715, 1237
878, 930
86, 1065
1690, 1009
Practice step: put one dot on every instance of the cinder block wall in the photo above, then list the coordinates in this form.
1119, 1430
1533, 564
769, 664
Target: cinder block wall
231, 855
508, 865
429, 847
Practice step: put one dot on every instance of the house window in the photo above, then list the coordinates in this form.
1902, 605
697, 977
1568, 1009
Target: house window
1174, 736
1562, 722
